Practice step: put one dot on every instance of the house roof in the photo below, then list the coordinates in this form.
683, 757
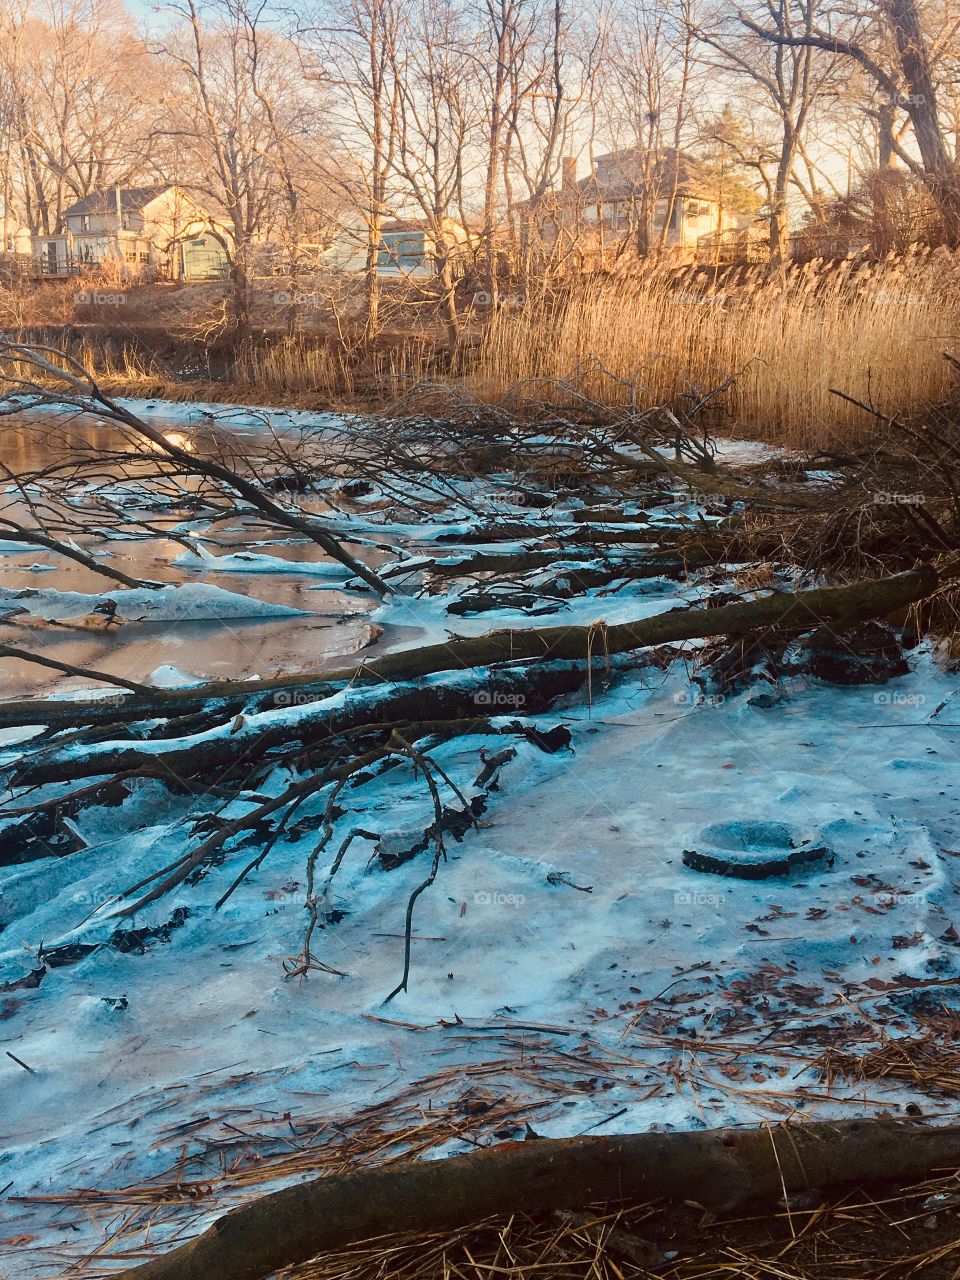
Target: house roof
620, 175
417, 224
132, 200
403, 224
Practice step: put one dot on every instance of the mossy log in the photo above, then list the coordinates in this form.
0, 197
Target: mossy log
721, 1169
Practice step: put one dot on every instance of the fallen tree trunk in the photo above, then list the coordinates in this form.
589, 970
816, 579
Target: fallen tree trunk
720, 1169
308, 719
641, 531
693, 553
819, 607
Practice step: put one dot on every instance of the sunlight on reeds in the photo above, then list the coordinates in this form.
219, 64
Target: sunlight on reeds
305, 368
292, 367
782, 339
875, 331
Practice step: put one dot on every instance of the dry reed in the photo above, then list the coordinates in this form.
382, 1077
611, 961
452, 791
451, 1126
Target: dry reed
873, 330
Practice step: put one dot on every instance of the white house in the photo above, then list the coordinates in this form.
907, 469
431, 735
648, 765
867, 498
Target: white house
160, 228
408, 248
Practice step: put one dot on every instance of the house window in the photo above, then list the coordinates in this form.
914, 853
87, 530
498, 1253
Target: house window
406, 250
84, 222
661, 213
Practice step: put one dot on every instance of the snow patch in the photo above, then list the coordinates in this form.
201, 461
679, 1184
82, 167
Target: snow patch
189, 602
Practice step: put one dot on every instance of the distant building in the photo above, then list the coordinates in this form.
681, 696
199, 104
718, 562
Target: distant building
160, 229
409, 248
15, 238
633, 200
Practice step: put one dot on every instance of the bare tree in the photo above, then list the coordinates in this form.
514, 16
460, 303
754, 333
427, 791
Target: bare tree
888, 41
650, 79
790, 78
509, 33
77, 86
349, 46
555, 108
237, 115
435, 121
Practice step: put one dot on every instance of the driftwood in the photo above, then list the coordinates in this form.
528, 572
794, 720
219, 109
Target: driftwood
721, 1169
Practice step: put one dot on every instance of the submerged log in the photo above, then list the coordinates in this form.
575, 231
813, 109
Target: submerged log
721, 1169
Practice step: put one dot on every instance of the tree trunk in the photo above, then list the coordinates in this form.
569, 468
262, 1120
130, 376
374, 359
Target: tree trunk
883, 231
779, 214
448, 285
240, 296
185, 757
720, 1169
921, 105
464, 696
800, 609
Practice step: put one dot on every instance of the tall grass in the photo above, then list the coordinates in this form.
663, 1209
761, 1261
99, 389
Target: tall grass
785, 338
117, 366
305, 372
873, 330
293, 368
